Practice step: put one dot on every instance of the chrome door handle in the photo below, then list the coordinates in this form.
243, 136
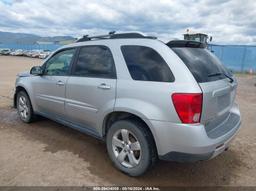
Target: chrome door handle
104, 86
60, 83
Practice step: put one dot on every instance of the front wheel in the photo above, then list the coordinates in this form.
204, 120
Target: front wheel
131, 147
24, 107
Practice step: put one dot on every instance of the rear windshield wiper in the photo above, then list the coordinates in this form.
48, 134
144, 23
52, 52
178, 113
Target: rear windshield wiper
219, 74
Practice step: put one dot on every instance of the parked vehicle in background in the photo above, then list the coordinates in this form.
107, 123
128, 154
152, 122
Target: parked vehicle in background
12, 53
29, 53
6, 51
26, 52
18, 52
145, 98
32, 53
44, 54
35, 54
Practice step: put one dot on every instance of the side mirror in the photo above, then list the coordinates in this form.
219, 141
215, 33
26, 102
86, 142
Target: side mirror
36, 70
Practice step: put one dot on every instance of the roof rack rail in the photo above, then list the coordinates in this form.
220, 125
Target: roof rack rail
113, 35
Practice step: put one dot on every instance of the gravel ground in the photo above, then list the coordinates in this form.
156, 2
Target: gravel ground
45, 153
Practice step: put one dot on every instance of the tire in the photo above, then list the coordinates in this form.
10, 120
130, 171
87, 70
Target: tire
24, 107
126, 157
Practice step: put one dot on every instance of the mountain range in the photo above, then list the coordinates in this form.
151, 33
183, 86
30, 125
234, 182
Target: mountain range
23, 38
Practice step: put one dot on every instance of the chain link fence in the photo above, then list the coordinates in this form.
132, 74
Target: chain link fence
239, 58
50, 47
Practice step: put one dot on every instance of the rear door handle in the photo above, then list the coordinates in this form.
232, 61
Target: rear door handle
104, 86
60, 83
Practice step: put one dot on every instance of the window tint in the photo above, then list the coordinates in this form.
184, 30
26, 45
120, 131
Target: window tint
95, 61
146, 64
59, 64
204, 65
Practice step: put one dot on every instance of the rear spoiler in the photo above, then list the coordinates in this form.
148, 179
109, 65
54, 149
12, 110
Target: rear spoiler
185, 43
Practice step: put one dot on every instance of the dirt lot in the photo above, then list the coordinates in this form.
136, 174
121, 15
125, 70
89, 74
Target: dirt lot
46, 153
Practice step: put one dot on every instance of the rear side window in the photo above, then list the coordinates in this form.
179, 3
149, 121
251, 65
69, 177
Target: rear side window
204, 66
95, 61
146, 64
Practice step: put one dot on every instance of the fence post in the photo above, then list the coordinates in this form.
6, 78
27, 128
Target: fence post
243, 59
221, 54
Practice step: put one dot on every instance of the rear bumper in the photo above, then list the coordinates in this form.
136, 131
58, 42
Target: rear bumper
185, 157
189, 143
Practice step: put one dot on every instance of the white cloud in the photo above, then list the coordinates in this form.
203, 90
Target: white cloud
228, 21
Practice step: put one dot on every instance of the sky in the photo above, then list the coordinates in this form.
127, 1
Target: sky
227, 21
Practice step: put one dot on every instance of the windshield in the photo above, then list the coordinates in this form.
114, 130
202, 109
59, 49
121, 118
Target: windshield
204, 65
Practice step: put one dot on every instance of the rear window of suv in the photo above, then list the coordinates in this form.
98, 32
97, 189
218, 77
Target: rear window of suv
204, 65
145, 64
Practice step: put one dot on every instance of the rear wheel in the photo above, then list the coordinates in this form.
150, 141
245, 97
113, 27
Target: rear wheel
24, 107
131, 147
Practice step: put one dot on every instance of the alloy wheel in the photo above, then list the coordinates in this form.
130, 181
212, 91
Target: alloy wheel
126, 148
23, 107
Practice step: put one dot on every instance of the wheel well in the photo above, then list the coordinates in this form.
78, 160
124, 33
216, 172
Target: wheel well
18, 89
116, 116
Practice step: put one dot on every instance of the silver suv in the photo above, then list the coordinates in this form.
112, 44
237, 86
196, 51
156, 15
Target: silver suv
145, 98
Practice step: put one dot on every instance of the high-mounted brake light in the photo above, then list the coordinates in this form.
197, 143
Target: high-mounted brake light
188, 106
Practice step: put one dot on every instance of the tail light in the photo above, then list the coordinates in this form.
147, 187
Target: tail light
188, 106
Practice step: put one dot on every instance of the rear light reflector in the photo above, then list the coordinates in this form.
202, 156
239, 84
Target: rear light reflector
188, 106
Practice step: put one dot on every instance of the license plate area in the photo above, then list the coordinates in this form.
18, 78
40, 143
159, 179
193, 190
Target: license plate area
223, 101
